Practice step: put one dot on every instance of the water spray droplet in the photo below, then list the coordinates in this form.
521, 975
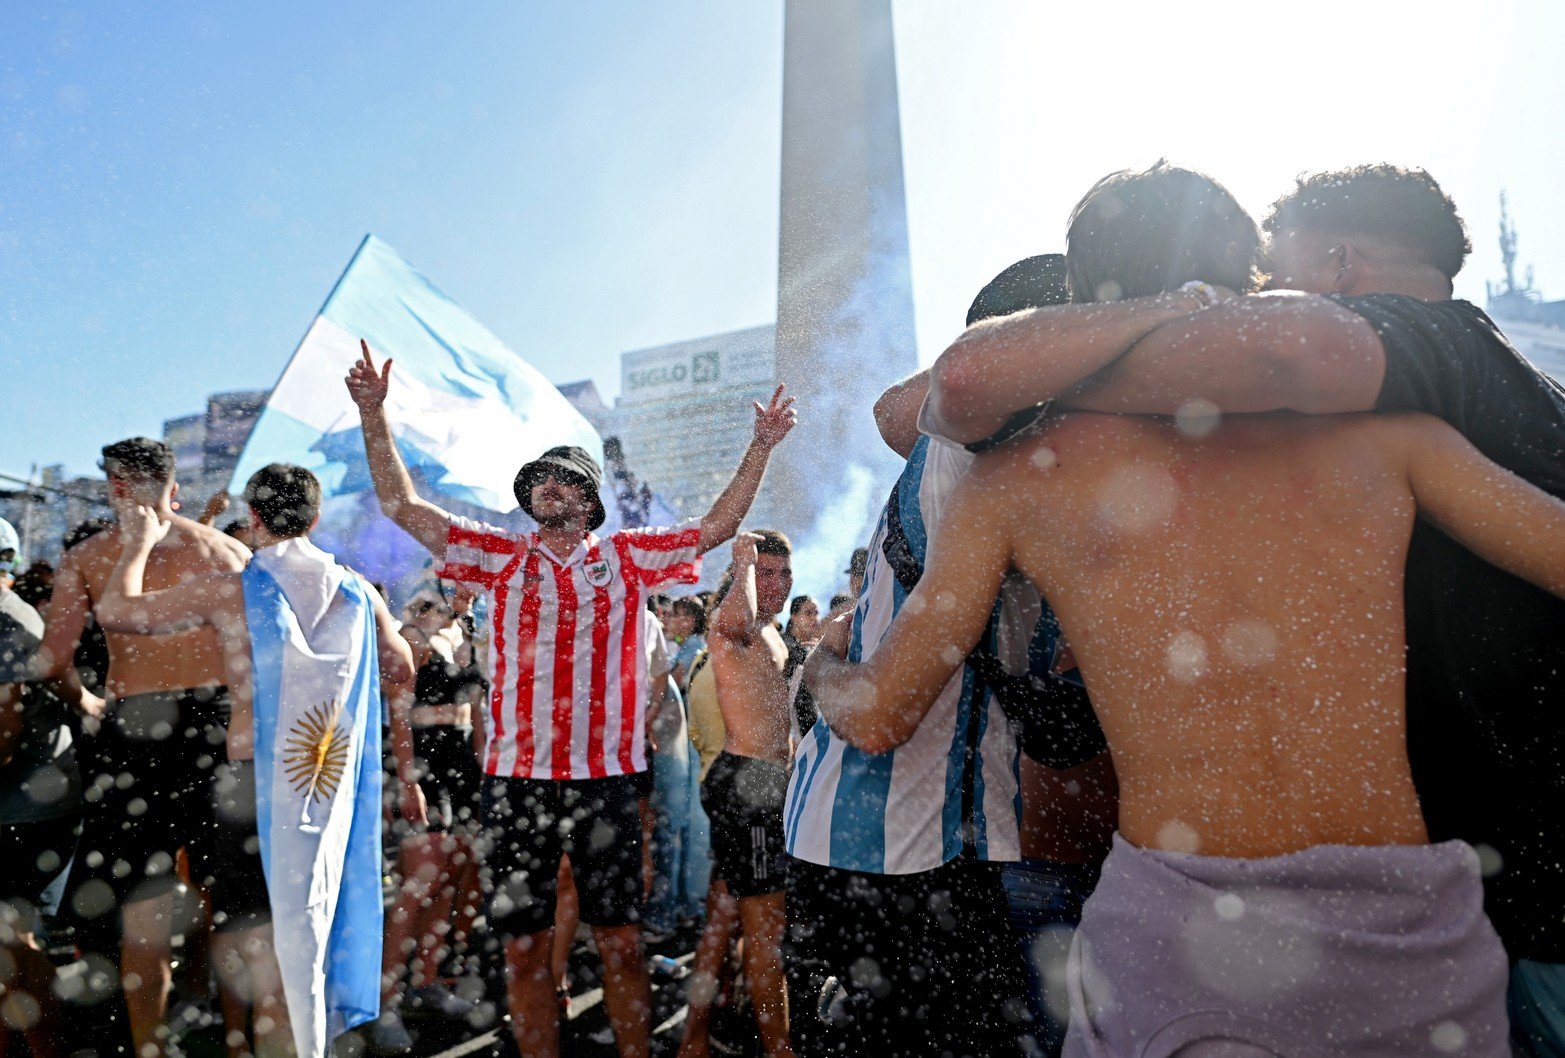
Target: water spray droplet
1187, 657
1198, 417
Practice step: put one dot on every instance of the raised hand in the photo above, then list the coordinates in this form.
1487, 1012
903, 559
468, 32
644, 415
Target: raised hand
773, 422
142, 529
745, 552
214, 508
367, 386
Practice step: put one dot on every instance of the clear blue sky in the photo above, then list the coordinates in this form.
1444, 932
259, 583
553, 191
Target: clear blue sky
180, 183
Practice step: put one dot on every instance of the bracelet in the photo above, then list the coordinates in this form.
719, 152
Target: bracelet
1204, 292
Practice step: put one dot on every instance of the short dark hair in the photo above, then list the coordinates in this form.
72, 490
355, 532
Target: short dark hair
798, 604
35, 584
772, 542
286, 498
1030, 283
1405, 207
838, 600
1136, 234
84, 531
139, 459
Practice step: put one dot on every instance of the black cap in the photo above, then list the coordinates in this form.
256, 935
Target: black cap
1030, 283
571, 460
859, 562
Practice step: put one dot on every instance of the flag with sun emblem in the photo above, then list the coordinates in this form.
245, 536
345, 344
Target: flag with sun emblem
317, 766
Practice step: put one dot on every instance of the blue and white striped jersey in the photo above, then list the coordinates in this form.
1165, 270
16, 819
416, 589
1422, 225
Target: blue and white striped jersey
914, 808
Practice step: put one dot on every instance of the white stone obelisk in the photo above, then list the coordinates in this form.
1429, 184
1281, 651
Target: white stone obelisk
844, 289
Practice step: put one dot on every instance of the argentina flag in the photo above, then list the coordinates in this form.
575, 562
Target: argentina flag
317, 713
465, 410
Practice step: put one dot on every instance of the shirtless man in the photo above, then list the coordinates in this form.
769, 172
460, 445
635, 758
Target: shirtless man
214, 603
1233, 596
162, 735
743, 792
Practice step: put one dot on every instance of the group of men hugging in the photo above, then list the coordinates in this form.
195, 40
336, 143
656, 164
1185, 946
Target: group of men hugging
1200, 697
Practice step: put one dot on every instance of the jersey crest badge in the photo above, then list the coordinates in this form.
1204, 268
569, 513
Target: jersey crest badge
598, 573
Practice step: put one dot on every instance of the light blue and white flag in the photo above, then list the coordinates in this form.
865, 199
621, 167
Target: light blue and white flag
317, 774
466, 411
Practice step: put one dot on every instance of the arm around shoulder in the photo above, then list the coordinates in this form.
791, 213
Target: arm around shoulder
1269, 352
878, 704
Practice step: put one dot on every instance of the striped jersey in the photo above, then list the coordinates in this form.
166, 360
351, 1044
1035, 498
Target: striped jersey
954, 783
567, 654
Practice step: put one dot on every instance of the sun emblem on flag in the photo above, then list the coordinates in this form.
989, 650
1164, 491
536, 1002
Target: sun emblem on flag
316, 752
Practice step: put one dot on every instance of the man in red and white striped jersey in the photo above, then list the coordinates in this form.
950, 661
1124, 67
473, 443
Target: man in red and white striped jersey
566, 724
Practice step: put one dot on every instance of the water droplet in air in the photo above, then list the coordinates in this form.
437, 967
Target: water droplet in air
1187, 657
1175, 836
1448, 1036
1136, 498
1197, 417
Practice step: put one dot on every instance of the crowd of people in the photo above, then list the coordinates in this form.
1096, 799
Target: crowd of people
1195, 694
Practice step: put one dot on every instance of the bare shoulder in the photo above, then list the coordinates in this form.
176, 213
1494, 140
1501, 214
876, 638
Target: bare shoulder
211, 546
1066, 441
1396, 431
94, 558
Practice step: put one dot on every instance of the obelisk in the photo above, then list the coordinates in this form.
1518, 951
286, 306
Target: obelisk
844, 289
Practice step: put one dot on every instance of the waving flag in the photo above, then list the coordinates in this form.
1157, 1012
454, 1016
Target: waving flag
317, 769
466, 411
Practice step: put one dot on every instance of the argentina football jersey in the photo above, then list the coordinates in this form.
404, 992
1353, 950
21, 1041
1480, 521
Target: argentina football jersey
954, 783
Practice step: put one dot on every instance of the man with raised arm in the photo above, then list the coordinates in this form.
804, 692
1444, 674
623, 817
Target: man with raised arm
161, 734
566, 724
1375, 249
307, 648
743, 791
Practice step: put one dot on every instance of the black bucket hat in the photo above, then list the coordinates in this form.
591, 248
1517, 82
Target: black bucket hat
571, 460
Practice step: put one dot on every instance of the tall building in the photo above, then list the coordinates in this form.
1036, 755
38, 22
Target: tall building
1536, 327
207, 444
683, 417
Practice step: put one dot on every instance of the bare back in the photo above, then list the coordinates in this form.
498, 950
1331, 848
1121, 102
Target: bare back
752, 694
137, 663
1235, 604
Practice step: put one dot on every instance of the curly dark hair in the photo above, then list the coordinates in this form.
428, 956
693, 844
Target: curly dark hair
1404, 207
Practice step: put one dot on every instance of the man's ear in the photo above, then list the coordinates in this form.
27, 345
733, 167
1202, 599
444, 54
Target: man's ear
1350, 266
173, 496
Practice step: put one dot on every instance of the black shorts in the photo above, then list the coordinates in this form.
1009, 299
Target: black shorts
645, 780
237, 879
528, 824
743, 798
947, 972
148, 790
448, 774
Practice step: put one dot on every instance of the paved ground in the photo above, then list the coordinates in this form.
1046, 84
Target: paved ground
436, 1037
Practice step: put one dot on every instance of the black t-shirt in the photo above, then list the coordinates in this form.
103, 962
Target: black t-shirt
1486, 650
